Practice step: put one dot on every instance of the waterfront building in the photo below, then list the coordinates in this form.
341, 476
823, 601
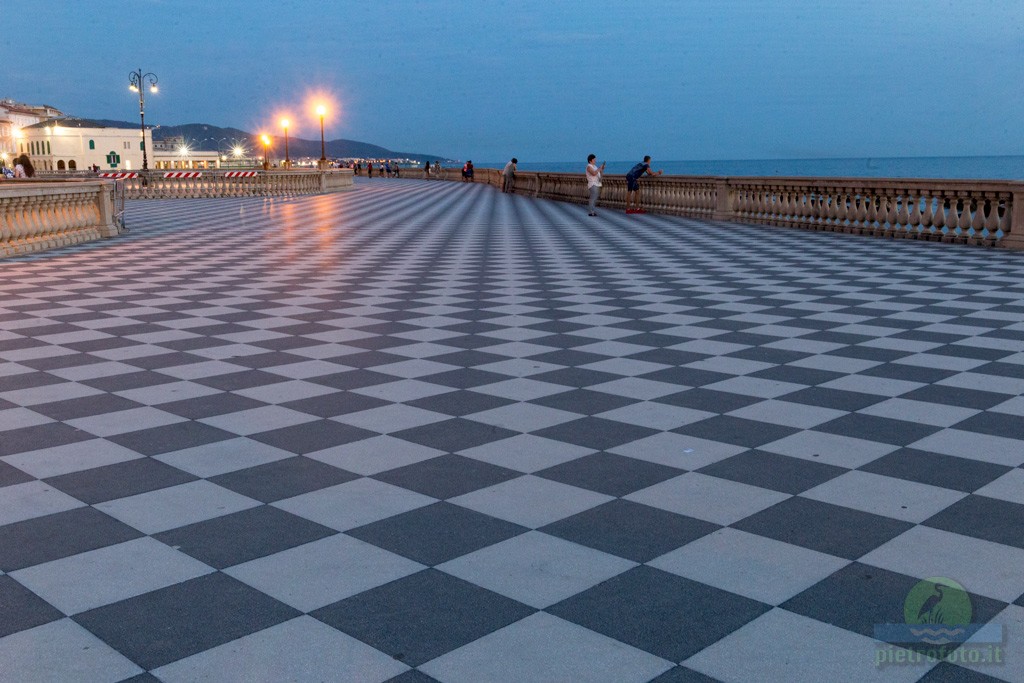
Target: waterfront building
16, 115
174, 153
69, 143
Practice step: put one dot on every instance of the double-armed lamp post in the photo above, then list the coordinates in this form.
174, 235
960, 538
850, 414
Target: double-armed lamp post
136, 83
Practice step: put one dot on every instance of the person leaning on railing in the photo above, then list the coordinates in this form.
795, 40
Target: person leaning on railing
633, 184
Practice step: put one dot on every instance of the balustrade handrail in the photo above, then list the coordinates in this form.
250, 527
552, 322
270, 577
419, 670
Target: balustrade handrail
38, 214
980, 212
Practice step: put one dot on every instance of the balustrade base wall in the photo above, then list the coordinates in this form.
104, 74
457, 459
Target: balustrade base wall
972, 212
40, 215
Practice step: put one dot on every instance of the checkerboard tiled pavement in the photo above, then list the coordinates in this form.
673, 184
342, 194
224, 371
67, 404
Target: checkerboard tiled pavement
429, 431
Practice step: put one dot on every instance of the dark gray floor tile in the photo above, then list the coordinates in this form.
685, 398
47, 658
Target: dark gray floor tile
667, 356
575, 377
412, 676
193, 616
464, 378
614, 475
631, 530
422, 616
945, 672
831, 529
947, 471
736, 430
994, 520
596, 433
797, 375
468, 358
332, 405
708, 400
22, 609
436, 533
687, 377
100, 484
834, 398
245, 379
352, 379
40, 436
459, 403
165, 360
994, 424
310, 437
873, 428
129, 380
569, 357
864, 352
1015, 370
955, 396
283, 479
10, 475
454, 435
858, 596
643, 607
242, 536
210, 406
447, 476
681, 674
86, 406
30, 380
773, 471
173, 437
584, 401
908, 373
42, 539
74, 360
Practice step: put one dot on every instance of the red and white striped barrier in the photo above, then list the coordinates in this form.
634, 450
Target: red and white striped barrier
118, 175
240, 174
183, 174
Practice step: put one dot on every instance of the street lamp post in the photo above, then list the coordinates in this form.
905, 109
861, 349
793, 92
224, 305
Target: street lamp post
266, 148
321, 110
136, 83
287, 159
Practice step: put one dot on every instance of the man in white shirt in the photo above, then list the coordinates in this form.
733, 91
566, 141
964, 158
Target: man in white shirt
508, 176
593, 182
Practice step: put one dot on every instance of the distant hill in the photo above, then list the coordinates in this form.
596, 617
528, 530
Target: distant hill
202, 136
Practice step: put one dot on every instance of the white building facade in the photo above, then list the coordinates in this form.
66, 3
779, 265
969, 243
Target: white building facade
69, 144
16, 115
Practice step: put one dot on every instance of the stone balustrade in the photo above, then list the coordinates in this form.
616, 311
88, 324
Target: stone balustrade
274, 183
38, 215
980, 212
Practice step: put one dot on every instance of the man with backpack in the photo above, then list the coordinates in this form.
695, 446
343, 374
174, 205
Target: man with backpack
633, 184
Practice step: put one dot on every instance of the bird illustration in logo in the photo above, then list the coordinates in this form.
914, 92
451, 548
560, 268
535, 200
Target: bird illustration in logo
930, 612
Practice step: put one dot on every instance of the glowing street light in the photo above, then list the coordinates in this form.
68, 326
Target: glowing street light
321, 110
287, 159
136, 83
266, 147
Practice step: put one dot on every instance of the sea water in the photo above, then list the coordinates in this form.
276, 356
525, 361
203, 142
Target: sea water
968, 168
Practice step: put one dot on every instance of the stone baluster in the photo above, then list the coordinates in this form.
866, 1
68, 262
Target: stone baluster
964, 206
903, 213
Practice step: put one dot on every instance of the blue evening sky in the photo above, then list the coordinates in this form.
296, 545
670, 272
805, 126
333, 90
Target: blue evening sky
547, 80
